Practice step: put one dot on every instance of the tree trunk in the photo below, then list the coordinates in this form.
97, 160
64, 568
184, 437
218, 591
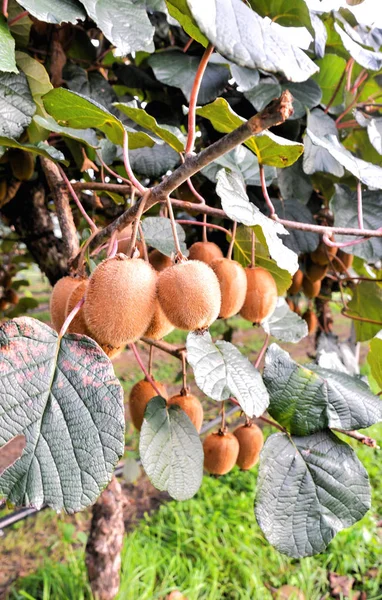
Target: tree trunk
103, 550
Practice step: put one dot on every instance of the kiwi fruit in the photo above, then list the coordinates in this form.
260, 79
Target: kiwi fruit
159, 261
290, 303
191, 406
3, 190
124, 241
323, 253
296, 309
112, 352
261, 297
189, 294
22, 164
159, 326
140, 395
296, 283
120, 300
311, 288
345, 258
233, 285
3, 304
311, 320
205, 251
251, 441
11, 296
316, 272
59, 298
78, 325
220, 452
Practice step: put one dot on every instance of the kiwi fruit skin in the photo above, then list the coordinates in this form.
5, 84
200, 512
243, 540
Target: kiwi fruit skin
316, 272
191, 406
311, 289
220, 452
189, 294
251, 441
261, 297
322, 253
296, 283
22, 164
345, 258
78, 325
233, 285
140, 395
159, 261
311, 320
205, 252
159, 326
58, 300
120, 300
3, 190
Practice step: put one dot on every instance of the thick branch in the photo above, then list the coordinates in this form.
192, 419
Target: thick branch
360, 437
165, 346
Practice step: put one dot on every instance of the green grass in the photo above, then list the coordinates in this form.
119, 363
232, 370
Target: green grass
211, 548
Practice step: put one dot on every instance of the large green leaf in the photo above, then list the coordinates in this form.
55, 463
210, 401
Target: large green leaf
249, 40
269, 148
153, 162
284, 324
158, 234
294, 183
237, 206
7, 48
300, 242
180, 11
317, 157
284, 12
308, 489
64, 397
85, 136
305, 95
125, 23
306, 400
374, 129
171, 135
20, 27
40, 148
55, 11
331, 70
374, 358
367, 304
244, 162
16, 104
366, 58
221, 371
344, 207
73, 110
170, 450
90, 84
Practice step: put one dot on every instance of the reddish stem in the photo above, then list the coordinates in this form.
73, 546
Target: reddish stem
349, 68
196, 194
262, 351
359, 205
267, 199
188, 45
145, 371
328, 242
70, 317
200, 224
336, 90
18, 17
194, 97
116, 175
5, 8
83, 212
128, 168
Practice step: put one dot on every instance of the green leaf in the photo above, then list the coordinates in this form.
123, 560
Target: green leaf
221, 371
177, 69
153, 162
284, 324
306, 400
305, 95
73, 110
241, 35
171, 135
309, 489
331, 70
16, 104
90, 84
237, 206
344, 207
158, 234
284, 12
170, 449
85, 136
374, 129
243, 162
180, 11
269, 148
366, 58
40, 148
19, 28
300, 242
367, 304
242, 253
64, 397
374, 358
316, 156
124, 23
294, 183
55, 11
7, 48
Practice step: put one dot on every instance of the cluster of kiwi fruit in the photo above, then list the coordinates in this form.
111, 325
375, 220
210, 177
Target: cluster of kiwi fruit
8, 296
309, 277
223, 450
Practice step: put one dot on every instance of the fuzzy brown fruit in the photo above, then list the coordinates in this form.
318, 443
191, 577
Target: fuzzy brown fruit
296, 283
11, 296
59, 298
78, 325
346, 260
311, 289
316, 272
191, 406
261, 297
112, 352
3, 190
120, 300
233, 285
159, 326
220, 452
311, 320
189, 294
251, 441
323, 254
140, 395
205, 251
22, 164
159, 261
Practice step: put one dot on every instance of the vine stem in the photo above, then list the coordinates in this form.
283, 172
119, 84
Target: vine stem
145, 371
262, 351
134, 234
111, 170
273, 423
326, 239
17, 18
165, 347
253, 248
173, 227
336, 89
194, 97
5, 8
223, 423
151, 357
143, 242
360, 437
202, 224
204, 238
195, 192
184, 371
70, 317
359, 205
128, 168
113, 247
232, 242
90, 222
267, 199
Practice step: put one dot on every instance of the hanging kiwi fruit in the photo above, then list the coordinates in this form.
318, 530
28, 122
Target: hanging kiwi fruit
140, 395
316, 272
295, 287
346, 261
261, 297
78, 325
323, 254
233, 285
158, 260
311, 289
22, 164
59, 298
191, 405
251, 441
221, 450
205, 252
3, 190
311, 320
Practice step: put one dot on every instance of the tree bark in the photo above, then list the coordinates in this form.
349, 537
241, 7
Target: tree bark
103, 550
